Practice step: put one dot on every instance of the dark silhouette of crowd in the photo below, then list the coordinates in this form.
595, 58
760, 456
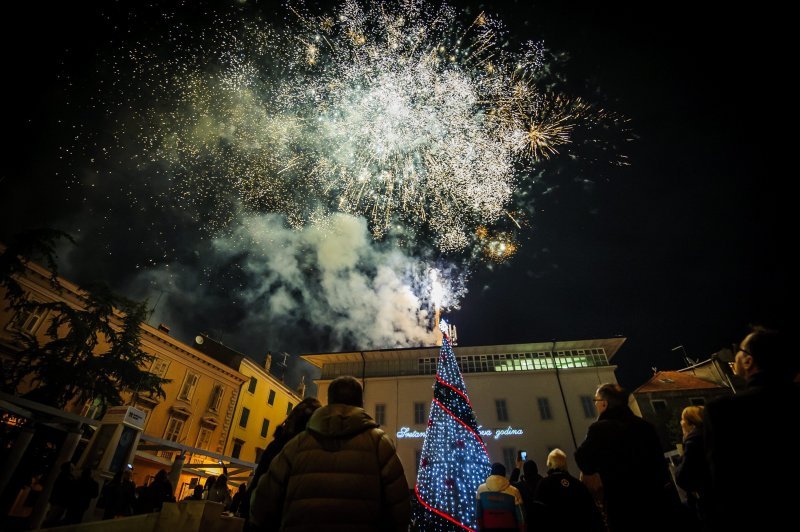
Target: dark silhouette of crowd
331, 468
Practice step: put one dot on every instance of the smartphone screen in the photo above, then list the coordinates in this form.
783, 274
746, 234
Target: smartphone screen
523, 455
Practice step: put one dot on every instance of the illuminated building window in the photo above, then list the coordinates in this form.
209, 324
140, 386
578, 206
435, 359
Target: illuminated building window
252, 386
174, 428
587, 402
264, 428
203, 438
419, 413
244, 418
271, 398
189, 384
544, 408
380, 413
502, 411
505, 362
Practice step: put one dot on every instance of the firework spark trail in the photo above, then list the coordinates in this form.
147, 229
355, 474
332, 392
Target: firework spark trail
400, 113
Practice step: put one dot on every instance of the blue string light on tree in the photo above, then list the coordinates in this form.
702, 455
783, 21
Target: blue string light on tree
454, 460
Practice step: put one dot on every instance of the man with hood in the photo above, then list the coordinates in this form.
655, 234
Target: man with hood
499, 503
341, 474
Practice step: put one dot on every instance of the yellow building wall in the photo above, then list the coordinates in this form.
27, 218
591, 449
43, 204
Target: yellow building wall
200, 417
250, 439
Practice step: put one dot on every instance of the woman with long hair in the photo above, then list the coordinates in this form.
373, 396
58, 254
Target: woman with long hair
294, 424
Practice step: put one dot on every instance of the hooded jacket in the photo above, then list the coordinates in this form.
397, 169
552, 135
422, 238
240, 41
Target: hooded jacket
499, 513
341, 474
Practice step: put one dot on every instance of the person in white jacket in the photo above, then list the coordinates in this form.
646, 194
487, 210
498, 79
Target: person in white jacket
499, 503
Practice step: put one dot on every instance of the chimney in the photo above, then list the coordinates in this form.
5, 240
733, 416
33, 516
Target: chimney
301, 388
268, 363
163, 328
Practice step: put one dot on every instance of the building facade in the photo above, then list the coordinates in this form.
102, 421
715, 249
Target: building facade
662, 398
526, 397
263, 405
201, 397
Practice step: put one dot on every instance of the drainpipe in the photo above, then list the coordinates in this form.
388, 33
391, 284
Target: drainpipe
363, 374
563, 398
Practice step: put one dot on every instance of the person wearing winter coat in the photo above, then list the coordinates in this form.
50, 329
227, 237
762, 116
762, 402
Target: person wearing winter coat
341, 474
499, 504
625, 452
567, 501
693, 474
294, 424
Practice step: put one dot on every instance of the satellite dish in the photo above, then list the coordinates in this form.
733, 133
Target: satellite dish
198, 340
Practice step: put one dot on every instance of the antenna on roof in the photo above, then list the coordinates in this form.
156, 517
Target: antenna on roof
283, 365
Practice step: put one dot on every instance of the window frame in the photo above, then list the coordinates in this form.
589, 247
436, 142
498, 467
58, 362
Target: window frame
589, 410
419, 413
190, 393
199, 442
214, 402
501, 409
545, 412
176, 428
380, 413
17, 322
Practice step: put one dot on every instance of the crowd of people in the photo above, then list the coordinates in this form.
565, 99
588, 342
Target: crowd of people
331, 468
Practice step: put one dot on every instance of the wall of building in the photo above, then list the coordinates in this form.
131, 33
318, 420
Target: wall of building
250, 440
201, 418
521, 391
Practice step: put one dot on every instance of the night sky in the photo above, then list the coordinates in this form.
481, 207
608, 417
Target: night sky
684, 246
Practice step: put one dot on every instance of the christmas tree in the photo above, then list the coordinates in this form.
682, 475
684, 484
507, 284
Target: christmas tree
454, 459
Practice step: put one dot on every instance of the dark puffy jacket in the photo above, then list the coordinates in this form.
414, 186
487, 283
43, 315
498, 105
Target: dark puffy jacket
627, 453
341, 474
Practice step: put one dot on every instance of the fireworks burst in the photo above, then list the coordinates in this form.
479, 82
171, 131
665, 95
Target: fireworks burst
396, 112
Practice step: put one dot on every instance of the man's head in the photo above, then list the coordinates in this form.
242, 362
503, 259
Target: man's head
498, 469
346, 391
557, 459
610, 395
530, 469
763, 350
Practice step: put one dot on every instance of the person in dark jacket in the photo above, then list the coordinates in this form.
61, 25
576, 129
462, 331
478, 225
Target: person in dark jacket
624, 450
692, 473
293, 425
741, 428
84, 490
119, 495
238, 497
156, 494
60, 496
341, 474
567, 501
534, 510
